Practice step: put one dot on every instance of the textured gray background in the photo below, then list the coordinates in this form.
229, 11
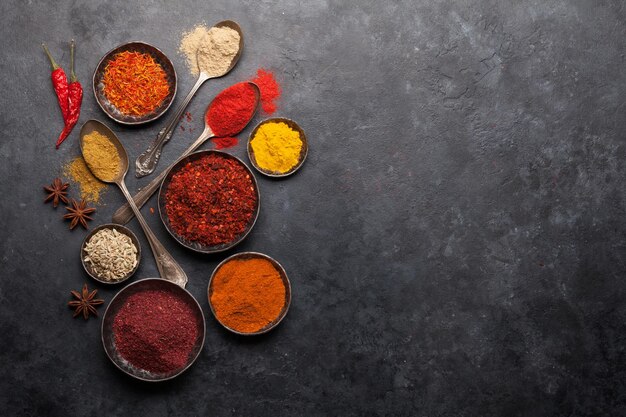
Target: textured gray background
455, 240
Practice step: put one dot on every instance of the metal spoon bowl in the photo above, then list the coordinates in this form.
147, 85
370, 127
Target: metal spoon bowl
93, 125
147, 161
168, 268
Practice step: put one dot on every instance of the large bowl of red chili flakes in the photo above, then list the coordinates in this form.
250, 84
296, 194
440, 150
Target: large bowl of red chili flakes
209, 201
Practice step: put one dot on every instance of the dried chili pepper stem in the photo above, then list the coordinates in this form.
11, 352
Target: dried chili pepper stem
52, 61
73, 78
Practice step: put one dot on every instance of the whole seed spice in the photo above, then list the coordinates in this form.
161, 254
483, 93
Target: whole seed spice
211, 201
247, 294
155, 330
110, 254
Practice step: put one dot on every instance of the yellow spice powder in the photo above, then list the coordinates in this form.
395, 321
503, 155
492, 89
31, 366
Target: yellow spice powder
90, 186
276, 147
101, 156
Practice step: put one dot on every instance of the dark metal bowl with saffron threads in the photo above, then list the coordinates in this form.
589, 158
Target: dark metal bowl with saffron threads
283, 276
196, 246
110, 109
122, 229
108, 335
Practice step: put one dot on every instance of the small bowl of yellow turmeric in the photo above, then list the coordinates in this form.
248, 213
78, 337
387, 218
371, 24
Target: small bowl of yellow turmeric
277, 147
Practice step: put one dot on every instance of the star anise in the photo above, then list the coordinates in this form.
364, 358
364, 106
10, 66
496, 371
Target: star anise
56, 192
85, 302
79, 213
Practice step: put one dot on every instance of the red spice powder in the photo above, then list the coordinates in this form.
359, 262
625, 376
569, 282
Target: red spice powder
211, 200
270, 90
227, 142
231, 110
155, 330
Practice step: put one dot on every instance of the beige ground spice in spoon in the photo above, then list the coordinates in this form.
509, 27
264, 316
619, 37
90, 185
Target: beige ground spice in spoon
210, 50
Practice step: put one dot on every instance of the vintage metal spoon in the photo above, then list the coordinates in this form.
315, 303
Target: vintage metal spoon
147, 161
125, 213
168, 267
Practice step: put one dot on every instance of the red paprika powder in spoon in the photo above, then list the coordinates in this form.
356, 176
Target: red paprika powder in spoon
230, 112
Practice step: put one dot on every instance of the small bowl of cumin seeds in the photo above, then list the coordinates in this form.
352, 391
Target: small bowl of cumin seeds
110, 253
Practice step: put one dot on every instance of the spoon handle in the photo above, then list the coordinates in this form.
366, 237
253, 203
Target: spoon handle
125, 213
147, 161
168, 268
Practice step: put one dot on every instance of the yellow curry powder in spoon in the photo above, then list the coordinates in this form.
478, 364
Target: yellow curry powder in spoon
101, 156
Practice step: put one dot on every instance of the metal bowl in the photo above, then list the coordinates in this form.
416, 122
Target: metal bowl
283, 275
303, 152
109, 108
108, 339
121, 229
195, 246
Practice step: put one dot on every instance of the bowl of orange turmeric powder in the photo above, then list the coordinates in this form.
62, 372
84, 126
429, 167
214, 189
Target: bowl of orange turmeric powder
249, 293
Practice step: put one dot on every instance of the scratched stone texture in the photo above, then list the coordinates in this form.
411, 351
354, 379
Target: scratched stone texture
455, 240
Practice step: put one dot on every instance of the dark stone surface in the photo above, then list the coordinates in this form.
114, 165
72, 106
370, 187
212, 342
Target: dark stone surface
455, 241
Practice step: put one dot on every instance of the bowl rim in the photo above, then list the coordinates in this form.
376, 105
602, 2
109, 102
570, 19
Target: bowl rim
141, 121
141, 282
284, 277
122, 229
303, 152
163, 214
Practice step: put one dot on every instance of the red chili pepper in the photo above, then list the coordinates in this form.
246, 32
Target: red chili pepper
75, 100
59, 82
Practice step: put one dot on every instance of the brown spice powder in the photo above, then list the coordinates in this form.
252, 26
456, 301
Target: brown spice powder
90, 187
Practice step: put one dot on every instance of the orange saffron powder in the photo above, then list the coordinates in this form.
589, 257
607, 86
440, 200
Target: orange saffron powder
135, 83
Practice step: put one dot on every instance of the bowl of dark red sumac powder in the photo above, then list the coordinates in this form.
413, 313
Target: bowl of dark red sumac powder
249, 293
153, 330
209, 201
